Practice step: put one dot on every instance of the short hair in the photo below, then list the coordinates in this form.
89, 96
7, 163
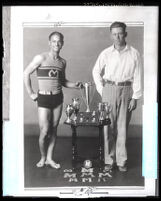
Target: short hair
58, 34
118, 24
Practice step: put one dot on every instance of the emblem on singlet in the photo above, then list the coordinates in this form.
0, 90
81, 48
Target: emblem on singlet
49, 73
53, 73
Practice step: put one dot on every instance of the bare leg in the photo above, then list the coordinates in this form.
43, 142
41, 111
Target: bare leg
44, 124
56, 117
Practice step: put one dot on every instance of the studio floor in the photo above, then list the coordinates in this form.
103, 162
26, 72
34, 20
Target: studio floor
66, 176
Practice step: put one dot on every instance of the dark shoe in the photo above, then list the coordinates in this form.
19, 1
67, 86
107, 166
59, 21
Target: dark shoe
122, 168
108, 167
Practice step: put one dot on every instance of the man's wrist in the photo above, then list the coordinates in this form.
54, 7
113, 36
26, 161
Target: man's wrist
32, 95
134, 99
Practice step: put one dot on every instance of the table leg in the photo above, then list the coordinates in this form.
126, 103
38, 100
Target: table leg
74, 146
101, 147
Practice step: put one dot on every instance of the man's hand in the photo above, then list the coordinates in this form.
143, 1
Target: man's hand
132, 104
34, 96
79, 85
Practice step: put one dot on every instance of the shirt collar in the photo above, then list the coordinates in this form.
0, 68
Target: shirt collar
127, 47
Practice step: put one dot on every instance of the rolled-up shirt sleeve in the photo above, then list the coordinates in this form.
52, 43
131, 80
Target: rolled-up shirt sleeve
137, 79
97, 69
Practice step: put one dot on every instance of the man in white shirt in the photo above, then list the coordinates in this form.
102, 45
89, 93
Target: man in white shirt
120, 86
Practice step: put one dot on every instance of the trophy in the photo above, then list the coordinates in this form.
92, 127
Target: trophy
76, 107
69, 111
87, 164
94, 116
101, 111
81, 118
107, 109
87, 94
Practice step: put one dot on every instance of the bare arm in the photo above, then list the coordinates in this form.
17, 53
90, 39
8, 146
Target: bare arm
35, 63
70, 84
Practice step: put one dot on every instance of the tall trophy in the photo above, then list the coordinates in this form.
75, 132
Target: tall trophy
76, 107
87, 92
69, 112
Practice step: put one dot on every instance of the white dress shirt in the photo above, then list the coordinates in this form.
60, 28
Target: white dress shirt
119, 67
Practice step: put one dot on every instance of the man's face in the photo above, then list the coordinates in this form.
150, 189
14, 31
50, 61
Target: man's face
118, 36
55, 43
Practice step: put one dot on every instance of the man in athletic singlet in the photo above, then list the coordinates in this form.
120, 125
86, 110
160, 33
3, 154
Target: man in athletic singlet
50, 68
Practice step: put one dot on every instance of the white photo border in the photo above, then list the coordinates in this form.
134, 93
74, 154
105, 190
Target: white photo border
13, 176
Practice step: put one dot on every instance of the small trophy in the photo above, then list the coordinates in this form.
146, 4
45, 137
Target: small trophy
94, 116
101, 111
76, 107
88, 94
81, 118
107, 109
87, 164
69, 111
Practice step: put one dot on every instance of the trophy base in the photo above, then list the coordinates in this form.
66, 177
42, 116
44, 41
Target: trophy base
88, 109
69, 121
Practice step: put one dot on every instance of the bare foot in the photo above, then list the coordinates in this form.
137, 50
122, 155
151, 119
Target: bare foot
41, 163
52, 164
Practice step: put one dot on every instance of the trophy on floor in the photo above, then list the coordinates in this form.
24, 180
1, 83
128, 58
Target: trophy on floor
87, 92
87, 164
76, 107
69, 112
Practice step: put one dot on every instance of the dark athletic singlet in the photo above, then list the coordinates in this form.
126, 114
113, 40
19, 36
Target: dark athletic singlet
51, 75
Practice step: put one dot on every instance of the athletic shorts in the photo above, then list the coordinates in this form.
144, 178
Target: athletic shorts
50, 101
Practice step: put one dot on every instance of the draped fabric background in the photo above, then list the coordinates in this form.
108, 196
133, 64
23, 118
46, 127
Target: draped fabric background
82, 45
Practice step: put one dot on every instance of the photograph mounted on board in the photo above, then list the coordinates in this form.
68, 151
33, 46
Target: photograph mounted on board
83, 96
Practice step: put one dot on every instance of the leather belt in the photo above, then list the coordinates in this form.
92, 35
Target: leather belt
46, 93
126, 83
